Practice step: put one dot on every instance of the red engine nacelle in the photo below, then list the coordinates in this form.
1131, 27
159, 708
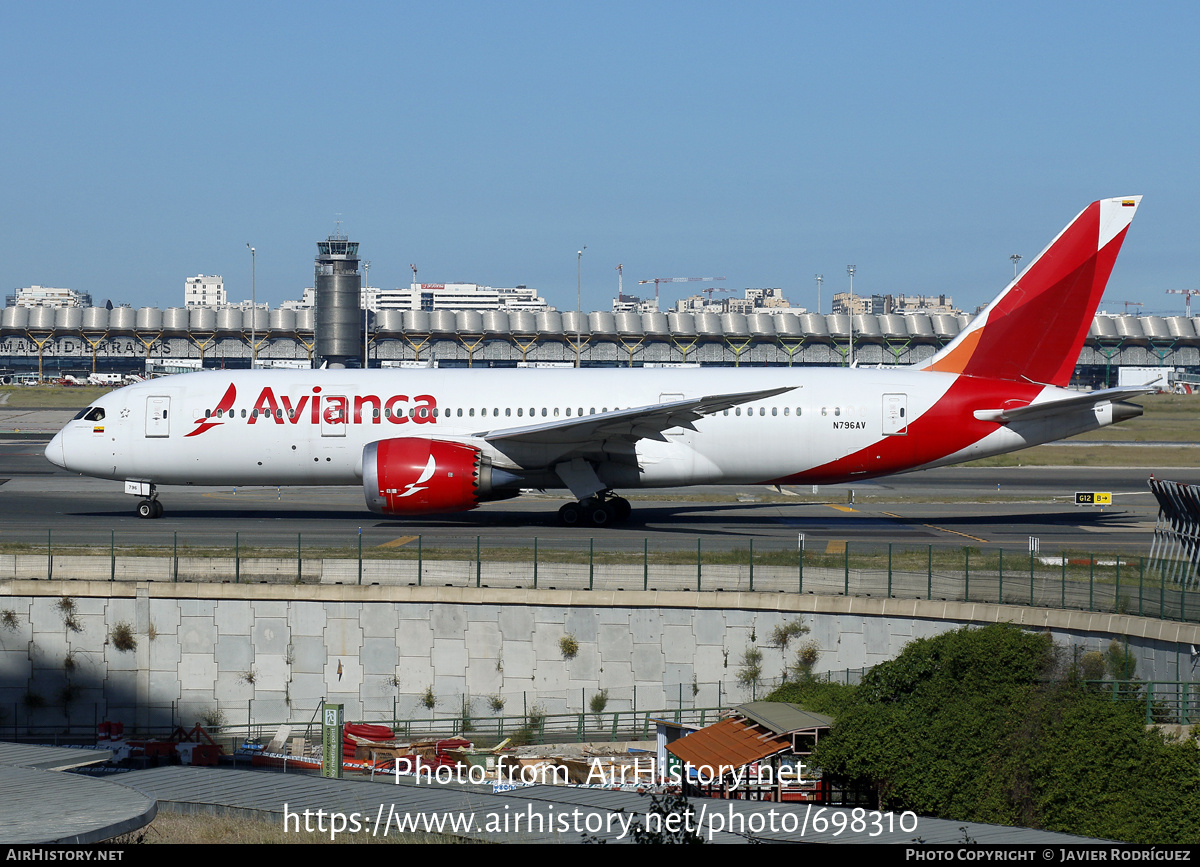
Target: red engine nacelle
413, 476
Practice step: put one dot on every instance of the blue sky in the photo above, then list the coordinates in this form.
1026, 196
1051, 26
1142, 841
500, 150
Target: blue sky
486, 142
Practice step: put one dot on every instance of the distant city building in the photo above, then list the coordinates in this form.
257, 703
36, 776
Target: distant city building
901, 304
769, 301
845, 304
634, 304
924, 304
44, 296
456, 296
694, 304
307, 301
204, 291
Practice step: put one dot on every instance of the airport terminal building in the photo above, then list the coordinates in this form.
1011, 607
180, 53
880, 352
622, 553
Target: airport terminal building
54, 341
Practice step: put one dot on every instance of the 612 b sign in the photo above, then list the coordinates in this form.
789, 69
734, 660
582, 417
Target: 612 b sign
1093, 498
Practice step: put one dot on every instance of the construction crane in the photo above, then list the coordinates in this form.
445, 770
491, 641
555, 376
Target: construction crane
658, 280
1187, 300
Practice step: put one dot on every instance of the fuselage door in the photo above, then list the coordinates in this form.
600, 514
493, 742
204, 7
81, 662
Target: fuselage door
158, 416
895, 415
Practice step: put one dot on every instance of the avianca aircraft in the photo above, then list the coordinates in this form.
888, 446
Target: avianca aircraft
426, 441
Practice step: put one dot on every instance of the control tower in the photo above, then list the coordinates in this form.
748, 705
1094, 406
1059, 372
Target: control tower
338, 287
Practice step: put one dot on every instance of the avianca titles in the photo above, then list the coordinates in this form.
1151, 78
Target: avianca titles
427, 441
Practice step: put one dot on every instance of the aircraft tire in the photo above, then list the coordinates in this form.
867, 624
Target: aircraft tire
570, 515
602, 514
158, 508
145, 509
622, 508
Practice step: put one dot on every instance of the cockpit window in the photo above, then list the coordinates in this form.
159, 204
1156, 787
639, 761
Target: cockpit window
91, 413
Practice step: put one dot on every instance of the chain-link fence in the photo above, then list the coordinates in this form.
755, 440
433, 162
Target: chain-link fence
1111, 583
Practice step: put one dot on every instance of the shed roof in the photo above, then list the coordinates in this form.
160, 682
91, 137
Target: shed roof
734, 742
783, 717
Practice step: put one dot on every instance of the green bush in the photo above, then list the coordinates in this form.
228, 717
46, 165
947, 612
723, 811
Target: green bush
569, 646
987, 725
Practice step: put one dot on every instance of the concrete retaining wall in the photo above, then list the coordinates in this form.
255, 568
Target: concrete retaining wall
272, 652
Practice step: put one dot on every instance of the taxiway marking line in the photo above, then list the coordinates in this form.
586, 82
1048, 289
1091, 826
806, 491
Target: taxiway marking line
955, 532
396, 543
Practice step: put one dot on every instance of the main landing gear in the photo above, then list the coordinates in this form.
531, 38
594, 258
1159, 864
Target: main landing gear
599, 511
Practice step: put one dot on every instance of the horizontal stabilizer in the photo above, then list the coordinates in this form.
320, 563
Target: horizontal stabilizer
1055, 407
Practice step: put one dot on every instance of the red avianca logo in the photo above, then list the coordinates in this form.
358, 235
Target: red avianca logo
223, 408
327, 409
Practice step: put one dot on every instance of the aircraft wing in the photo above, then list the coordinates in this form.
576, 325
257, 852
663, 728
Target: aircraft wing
588, 432
1054, 407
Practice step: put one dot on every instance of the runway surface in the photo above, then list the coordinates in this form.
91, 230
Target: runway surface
998, 507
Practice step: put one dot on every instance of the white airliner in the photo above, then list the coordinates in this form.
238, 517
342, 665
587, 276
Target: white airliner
427, 441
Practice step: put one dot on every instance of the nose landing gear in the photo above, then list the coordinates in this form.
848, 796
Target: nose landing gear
150, 509
148, 506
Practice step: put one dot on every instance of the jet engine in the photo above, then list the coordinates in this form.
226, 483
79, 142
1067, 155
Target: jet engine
415, 476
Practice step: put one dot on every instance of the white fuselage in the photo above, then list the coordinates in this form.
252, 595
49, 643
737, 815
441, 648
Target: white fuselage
309, 427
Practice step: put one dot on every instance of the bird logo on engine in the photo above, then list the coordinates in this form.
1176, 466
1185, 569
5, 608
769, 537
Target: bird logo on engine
426, 475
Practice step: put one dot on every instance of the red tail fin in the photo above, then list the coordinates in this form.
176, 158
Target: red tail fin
1034, 330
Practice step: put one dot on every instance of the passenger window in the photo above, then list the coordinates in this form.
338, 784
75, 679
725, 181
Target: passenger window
521, 411
774, 410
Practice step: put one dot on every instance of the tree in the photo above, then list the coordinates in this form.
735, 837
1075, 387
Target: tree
987, 724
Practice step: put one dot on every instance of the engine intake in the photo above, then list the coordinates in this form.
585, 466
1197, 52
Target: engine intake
415, 476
